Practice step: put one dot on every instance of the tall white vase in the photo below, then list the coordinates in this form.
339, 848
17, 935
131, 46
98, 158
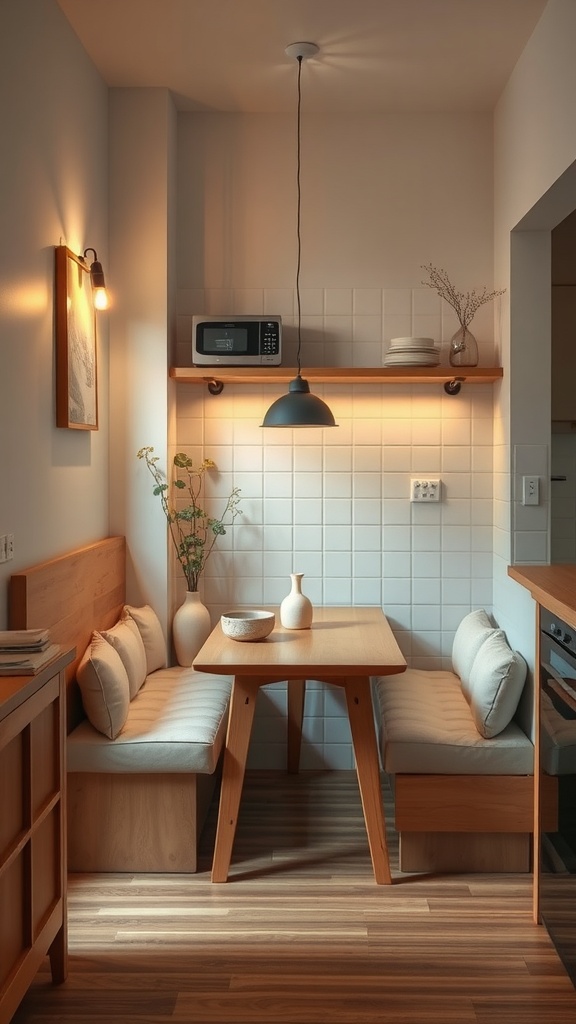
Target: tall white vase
191, 626
296, 609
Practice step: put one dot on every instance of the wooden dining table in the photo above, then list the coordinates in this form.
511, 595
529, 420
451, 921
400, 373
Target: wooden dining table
344, 647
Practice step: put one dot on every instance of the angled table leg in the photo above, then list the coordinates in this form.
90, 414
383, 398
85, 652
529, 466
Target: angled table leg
361, 717
242, 707
296, 695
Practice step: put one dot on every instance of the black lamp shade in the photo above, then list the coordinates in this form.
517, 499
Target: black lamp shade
299, 408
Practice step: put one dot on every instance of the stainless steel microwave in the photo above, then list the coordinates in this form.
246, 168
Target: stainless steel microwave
237, 341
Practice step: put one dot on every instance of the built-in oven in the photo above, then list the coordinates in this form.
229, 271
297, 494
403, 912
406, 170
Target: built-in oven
557, 785
558, 663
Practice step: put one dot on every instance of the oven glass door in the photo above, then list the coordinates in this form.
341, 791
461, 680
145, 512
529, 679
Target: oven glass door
558, 797
562, 662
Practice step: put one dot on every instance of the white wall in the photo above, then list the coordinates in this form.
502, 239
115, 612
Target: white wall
142, 156
380, 197
53, 189
535, 188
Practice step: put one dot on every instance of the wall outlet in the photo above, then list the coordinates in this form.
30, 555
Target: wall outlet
6, 547
530, 490
425, 490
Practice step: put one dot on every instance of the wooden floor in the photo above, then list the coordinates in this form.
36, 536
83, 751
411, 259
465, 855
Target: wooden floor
301, 934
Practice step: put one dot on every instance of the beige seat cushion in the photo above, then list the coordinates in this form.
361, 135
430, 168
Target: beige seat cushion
176, 723
426, 727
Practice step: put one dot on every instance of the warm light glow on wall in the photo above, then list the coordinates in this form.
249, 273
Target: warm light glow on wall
24, 299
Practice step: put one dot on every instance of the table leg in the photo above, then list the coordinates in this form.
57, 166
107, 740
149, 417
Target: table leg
361, 717
296, 695
241, 715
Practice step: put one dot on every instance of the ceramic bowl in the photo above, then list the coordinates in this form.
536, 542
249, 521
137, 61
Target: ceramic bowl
248, 625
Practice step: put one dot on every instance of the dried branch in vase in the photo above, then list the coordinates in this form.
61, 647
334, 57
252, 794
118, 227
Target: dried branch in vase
465, 305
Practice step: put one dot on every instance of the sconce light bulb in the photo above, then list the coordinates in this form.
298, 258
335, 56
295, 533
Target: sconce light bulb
100, 298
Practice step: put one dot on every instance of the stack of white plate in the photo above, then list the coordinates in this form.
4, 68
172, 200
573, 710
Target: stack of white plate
412, 352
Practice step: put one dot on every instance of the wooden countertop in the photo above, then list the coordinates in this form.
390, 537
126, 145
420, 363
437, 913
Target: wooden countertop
552, 586
14, 690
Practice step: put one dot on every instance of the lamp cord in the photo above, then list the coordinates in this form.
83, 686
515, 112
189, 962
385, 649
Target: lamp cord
298, 204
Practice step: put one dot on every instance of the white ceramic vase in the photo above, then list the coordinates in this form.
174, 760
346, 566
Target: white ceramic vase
296, 609
191, 626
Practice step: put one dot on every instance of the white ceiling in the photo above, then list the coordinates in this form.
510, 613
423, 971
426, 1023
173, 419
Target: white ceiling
375, 55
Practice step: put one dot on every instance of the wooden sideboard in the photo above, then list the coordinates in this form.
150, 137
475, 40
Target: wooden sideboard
32, 829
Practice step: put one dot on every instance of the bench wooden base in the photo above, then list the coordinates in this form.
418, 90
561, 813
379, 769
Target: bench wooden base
465, 851
136, 823
465, 822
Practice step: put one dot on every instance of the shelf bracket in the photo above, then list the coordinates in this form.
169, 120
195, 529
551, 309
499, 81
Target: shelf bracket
215, 387
452, 387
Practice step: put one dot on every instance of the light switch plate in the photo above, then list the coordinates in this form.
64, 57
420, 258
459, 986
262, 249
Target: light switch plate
425, 489
530, 490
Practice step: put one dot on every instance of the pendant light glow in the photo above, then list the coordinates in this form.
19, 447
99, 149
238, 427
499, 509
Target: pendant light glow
299, 408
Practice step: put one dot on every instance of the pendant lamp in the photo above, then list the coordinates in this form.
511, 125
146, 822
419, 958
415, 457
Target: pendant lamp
299, 408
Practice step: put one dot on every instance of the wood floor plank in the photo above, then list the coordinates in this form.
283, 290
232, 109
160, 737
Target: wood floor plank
301, 934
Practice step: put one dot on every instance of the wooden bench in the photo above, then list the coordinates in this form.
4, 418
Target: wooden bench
460, 765
136, 802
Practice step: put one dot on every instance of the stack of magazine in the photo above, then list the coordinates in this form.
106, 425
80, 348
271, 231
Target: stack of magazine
23, 652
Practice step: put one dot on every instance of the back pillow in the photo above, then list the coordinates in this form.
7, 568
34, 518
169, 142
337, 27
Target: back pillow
496, 683
472, 632
104, 686
125, 638
150, 629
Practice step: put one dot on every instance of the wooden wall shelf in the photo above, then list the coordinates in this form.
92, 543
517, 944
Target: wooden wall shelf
452, 377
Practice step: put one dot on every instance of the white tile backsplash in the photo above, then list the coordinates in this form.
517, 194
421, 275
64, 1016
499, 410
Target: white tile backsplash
398, 301
338, 301
368, 302
335, 504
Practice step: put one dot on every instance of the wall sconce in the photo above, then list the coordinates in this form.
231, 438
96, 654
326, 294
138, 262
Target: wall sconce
100, 295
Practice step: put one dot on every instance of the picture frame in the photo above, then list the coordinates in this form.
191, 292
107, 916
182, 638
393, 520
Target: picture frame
76, 347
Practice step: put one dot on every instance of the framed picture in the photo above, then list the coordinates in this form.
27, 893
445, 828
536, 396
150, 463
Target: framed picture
75, 322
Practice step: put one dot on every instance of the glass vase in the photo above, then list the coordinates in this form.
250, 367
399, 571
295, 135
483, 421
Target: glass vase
463, 348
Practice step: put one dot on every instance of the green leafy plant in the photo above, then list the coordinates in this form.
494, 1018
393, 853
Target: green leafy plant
193, 532
464, 304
